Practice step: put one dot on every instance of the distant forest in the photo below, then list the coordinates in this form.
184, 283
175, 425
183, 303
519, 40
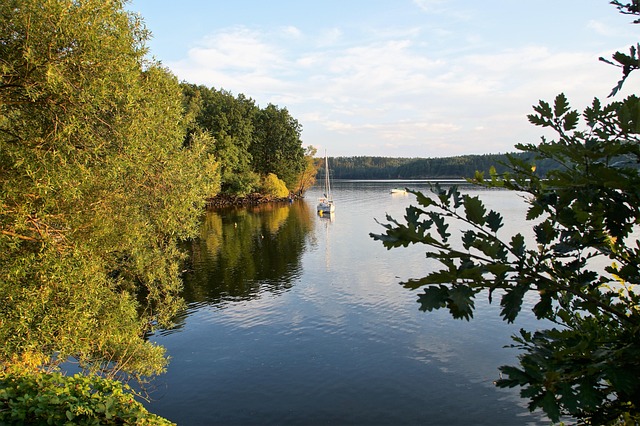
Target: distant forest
423, 168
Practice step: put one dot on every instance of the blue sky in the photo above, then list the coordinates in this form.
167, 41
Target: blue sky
397, 78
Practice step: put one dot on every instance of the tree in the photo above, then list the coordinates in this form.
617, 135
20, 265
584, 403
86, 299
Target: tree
276, 146
585, 210
631, 62
229, 121
248, 143
97, 188
308, 175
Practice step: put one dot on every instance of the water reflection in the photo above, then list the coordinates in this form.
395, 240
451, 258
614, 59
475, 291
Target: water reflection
328, 217
296, 318
245, 252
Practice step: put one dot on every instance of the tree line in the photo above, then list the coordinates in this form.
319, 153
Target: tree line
363, 167
255, 149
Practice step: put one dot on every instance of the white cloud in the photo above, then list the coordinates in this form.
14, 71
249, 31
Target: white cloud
396, 88
238, 49
428, 5
292, 32
329, 37
606, 29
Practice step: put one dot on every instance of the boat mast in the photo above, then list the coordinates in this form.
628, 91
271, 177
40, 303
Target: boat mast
327, 185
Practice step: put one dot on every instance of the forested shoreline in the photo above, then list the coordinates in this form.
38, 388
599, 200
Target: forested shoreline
456, 167
256, 150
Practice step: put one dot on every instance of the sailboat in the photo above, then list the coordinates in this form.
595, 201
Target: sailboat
325, 204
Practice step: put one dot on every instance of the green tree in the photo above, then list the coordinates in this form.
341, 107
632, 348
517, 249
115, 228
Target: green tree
308, 175
229, 121
586, 213
631, 62
247, 142
276, 146
97, 187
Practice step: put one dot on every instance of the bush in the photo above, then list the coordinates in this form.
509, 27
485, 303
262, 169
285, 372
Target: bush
52, 398
272, 186
241, 184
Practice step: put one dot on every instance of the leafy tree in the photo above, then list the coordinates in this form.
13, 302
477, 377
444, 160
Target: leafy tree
248, 143
242, 184
276, 146
229, 121
586, 214
630, 62
97, 187
308, 175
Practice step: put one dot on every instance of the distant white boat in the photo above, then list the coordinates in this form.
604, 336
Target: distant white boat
325, 204
398, 191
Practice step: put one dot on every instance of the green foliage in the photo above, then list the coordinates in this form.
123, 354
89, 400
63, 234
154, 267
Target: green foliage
276, 146
585, 210
364, 167
97, 187
242, 184
247, 142
631, 62
51, 398
308, 176
273, 187
105, 163
228, 120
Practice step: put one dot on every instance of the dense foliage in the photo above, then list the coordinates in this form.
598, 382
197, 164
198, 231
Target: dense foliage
582, 269
105, 165
33, 398
249, 142
363, 167
96, 186
272, 186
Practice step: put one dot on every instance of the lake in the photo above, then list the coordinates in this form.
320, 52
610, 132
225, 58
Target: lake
297, 319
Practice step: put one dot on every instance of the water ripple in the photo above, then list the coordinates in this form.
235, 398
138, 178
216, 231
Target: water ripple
337, 339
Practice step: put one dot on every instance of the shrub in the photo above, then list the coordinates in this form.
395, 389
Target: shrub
272, 186
53, 398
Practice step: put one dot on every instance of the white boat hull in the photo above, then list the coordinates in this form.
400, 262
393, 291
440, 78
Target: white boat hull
326, 207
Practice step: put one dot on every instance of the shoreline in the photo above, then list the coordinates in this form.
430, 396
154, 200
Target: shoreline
226, 200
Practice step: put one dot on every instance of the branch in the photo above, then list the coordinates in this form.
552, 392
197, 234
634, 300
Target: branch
22, 237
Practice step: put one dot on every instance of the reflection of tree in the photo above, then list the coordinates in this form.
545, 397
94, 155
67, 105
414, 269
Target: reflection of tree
243, 252
211, 232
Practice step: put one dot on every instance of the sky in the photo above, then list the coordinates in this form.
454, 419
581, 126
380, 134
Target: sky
398, 78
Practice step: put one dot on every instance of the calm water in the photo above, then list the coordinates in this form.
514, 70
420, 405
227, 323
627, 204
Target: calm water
297, 319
